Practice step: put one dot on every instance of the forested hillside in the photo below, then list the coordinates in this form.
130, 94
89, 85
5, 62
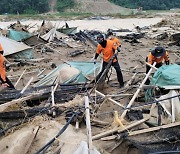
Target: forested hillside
24, 6
148, 4
43, 6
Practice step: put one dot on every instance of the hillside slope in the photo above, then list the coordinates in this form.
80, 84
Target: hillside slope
100, 7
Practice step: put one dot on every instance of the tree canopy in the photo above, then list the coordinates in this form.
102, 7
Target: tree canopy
148, 4
64, 4
24, 6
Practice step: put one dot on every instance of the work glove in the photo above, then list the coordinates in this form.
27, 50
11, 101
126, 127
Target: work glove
118, 49
167, 62
94, 61
5, 85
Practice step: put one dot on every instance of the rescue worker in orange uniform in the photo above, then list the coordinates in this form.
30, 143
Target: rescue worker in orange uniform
107, 47
157, 55
112, 37
5, 81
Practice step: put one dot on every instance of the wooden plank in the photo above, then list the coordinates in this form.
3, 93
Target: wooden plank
154, 129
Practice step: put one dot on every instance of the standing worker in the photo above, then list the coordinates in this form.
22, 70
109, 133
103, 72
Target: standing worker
157, 55
108, 47
5, 81
112, 37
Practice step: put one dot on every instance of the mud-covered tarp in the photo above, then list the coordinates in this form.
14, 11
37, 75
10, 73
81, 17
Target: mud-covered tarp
18, 35
71, 72
16, 49
167, 76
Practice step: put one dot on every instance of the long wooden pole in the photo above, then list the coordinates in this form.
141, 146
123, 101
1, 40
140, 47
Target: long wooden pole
110, 132
137, 92
154, 129
88, 125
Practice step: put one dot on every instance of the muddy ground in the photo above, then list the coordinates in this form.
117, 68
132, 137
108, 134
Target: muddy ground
132, 55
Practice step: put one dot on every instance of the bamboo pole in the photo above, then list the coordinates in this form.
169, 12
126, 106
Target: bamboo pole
88, 125
119, 95
151, 66
130, 81
119, 130
176, 55
173, 117
154, 129
19, 78
137, 92
30, 140
29, 82
110, 99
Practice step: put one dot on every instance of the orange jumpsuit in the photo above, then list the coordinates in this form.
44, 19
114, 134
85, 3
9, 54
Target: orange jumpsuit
116, 41
152, 59
108, 51
2, 66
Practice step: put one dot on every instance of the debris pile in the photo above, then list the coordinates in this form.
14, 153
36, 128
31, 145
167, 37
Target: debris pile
57, 105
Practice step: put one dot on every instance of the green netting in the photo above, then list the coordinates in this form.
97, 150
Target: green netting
167, 76
18, 36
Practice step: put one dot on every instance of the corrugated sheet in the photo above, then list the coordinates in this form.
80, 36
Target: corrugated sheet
10, 46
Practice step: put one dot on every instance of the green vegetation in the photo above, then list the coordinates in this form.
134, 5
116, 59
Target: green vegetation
24, 6
148, 4
64, 4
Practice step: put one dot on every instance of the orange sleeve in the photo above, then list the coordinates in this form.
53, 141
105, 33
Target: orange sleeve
117, 41
166, 57
1, 49
150, 58
98, 49
2, 68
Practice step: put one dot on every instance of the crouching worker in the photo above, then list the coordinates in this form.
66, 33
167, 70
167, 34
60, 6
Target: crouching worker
157, 55
107, 48
5, 81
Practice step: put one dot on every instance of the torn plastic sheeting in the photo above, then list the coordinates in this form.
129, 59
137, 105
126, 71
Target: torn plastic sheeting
18, 35
167, 76
17, 49
83, 149
85, 69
